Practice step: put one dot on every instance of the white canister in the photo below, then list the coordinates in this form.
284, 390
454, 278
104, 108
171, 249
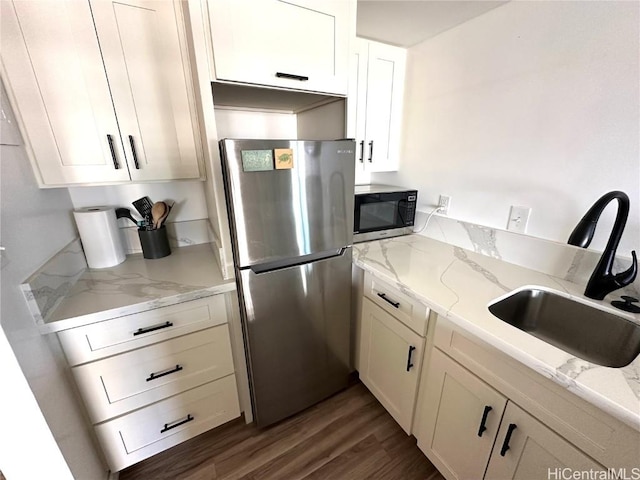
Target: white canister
100, 236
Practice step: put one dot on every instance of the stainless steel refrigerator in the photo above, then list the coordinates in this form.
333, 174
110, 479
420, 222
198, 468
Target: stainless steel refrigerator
290, 207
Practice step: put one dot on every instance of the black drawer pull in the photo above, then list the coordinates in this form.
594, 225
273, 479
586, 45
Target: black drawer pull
409, 364
371, 151
507, 438
140, 331
182, 422
483, 422
113, 152
133, 151
153, 376
291, 76
384, 297
362, 151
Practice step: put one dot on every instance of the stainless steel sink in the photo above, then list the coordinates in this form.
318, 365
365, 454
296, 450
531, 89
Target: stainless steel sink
592, 334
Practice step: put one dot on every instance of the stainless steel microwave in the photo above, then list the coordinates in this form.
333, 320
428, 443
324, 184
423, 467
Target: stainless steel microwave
383, 211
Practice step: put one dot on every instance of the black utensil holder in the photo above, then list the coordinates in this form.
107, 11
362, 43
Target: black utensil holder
155, 243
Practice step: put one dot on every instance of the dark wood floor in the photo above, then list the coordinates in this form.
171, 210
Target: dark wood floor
349, 436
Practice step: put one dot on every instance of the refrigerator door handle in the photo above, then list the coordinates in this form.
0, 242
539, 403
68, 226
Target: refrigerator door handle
296, 261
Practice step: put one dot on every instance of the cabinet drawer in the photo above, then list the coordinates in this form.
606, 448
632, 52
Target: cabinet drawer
103, 339
116, 385
141, 434
406, 309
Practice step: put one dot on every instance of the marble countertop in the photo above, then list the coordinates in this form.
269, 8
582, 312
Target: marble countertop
459, 284
137, 285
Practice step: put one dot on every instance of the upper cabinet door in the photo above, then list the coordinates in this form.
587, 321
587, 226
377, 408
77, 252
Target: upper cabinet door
299, 44
374, 106
145, 56
55, 72
385, 92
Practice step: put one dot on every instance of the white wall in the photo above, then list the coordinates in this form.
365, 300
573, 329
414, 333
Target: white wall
188, 196
36, 224
236, 123
534, 104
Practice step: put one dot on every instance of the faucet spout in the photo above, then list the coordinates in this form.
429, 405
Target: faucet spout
603, 280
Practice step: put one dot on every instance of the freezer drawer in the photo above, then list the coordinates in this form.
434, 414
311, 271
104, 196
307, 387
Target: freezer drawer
296, 323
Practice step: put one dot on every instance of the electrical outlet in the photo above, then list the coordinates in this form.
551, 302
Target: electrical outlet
518, 219
444, 203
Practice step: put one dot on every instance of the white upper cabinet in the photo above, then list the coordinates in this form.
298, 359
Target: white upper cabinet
374, 116
143, 45
88, 99
298, 44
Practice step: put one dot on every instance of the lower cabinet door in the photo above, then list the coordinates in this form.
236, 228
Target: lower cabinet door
459, 419
390, 360
526, 449
138, 435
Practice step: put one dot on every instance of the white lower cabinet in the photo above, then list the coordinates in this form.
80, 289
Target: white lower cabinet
525, 449
462, 415
471, 431
150, 430
154, 379
390, 356
391, 346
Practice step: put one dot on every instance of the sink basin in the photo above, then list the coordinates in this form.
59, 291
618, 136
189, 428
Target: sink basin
592, 334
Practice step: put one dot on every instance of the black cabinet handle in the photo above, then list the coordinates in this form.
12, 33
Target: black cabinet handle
133, 151
362, 151
182, 422
113, 152
483, 422
384, 297
507, 438
371, 151
153, 376
409, 364
153, 328
302, 78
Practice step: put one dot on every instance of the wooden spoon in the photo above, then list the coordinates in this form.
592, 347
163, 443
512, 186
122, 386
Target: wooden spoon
157, 212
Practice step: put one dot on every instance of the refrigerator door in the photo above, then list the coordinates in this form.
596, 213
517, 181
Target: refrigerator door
280, 213
296, 322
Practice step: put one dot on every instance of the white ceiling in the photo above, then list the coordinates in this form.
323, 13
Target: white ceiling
406, 23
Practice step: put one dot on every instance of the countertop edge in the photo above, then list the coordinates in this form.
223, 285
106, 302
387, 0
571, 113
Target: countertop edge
82, 320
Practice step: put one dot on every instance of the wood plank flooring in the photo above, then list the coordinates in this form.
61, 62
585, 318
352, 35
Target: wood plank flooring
349, 436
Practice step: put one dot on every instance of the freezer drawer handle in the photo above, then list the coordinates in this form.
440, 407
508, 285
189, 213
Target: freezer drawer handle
384, 297
291, 76
153, 328
507, 438
409, 364
153, 376
182, 422
483, 422
133, 151
113, 152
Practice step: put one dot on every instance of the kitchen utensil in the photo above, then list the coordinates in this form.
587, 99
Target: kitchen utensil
157, 212
166, 214
143, 206
126, 213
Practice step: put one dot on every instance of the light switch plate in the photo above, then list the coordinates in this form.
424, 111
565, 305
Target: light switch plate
519, 219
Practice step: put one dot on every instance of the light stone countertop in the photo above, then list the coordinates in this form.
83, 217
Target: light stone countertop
137, 285
459, 285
